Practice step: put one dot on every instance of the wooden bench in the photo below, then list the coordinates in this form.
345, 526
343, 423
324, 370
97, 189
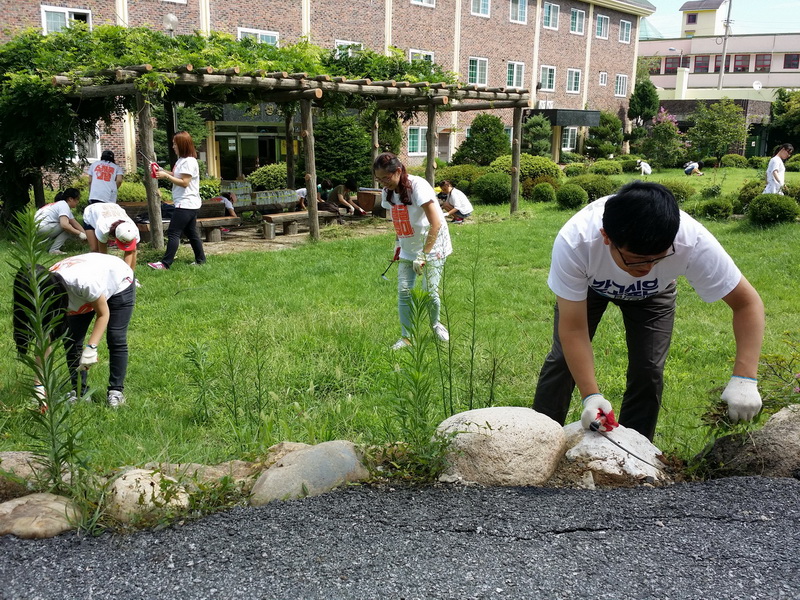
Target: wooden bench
291, 220
212, 226
211, 218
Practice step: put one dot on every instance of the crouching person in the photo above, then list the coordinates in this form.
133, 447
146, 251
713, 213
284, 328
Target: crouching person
106, 222
56, 221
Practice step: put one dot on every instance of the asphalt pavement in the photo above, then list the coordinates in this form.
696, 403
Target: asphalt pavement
726, 539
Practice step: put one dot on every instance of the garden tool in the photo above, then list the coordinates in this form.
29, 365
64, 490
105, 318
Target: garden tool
596, 427
386, 270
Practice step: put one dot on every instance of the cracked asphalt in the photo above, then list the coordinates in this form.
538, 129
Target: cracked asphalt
725, 539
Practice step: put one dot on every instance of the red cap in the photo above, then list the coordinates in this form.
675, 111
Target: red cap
126, 234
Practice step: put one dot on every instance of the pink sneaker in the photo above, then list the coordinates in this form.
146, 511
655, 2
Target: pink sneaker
158, 266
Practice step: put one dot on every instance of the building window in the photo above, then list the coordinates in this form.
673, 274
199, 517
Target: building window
55, 19
791, 61
547, 78
550, 15
671, 64
424, 2
763, 63
621, 86
259, 35
417, 140
573, 81
569, 139
420, 55
347, 47
686, 61
478, 68
480, 8
515, 76
741, 63
577, 21
701, 64
625, 32
510, 134
601, 30
655, 66
691, 19
519, 11
718, 62
603, 78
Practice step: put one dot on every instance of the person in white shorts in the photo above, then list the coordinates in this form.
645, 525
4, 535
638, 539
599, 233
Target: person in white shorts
456, 204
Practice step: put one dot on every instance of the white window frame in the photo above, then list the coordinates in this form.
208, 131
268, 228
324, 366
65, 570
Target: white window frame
176, 1
415, 54
573, 75
621, 86
550, 14
484, 8
577, 17
520, 15
518, 75
625, 27
429, 3
339, 44
543, 79
478, 62
603, 78
509, 131
421, 135
571, 135
68, 15
242, 32
602, 34
91, 146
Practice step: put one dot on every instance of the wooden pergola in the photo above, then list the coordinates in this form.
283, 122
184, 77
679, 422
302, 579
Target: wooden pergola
282, 87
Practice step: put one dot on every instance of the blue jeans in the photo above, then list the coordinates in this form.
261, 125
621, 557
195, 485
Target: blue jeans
406, 278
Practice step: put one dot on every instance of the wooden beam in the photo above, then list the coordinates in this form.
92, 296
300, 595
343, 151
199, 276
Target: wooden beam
145, 127
291, 95
307, 133
412, 103
146, 68
466, 106
430, 167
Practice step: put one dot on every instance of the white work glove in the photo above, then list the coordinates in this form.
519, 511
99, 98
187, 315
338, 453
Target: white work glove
742, 397
82, 235
597, 408
419, 263
88, 357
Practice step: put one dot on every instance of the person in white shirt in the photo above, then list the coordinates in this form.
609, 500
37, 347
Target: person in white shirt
105, 177
56, 221
83, 288
423, 240
628, 250
456, 204
106, 222
644, 167
185, 179
776, 170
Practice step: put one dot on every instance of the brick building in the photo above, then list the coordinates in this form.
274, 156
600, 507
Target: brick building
577, 55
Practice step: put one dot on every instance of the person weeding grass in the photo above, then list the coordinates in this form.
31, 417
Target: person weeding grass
628, 249
77, 290
56, 221
106, 221
423, 240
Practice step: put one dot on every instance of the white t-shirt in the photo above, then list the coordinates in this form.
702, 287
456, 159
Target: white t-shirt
225, 202
775, 180
581, 260
189, 196
411, 224
104, 180
103, 216
301, 193
51, 214
89, 276
459, 201
646, 169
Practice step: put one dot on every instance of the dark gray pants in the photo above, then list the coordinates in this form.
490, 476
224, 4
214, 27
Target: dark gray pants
648, 332
184, 220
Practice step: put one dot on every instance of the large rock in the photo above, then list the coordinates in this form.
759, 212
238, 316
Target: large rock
137, 493
191, 475
502, 446
772, 451
21, 467
38, 516
309, 472
591, 459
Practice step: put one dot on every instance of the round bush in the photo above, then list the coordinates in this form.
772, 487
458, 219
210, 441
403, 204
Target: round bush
710, 162
576, 169
568, 158
464, 185
629, 165
493, 188
736, 161
768, 209
269, 177
750, 190
571, 196
606, 167
529, 166
455, 173
758, 162
209, 188
793, 164
131, 192
716, 208
680, 189
596, 186
543, 192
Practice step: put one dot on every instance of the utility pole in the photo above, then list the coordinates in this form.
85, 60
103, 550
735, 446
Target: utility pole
725, 45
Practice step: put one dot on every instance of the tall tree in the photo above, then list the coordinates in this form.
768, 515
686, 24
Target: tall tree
536, 135
664, 146
487, 140
717, 128
786, 116
644, 102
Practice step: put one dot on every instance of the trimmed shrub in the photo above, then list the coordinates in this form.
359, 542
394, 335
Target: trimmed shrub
529, 166
460, 173
493, 188
269, 177
576, 169
464, 185
793, 190
131, 192
750, 190
567, 158
680, 189
596, 186
736, 161
543, 192
758, 162
716, 208
210, 188
571, 196
793, 164
711, 191
710, 162
629, 165
556, 183
768, 209
606, 167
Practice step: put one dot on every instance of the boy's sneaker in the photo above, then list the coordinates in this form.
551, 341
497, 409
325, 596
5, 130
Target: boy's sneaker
115, 398
400, 344
72, 396
441, 332
57, 252
158, 266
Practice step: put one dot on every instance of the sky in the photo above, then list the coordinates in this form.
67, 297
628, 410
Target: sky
748, 16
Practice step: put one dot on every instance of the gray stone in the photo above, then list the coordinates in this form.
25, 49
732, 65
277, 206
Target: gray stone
20, 467
502, 446
37, 516
141, 492
309, 472
192, 474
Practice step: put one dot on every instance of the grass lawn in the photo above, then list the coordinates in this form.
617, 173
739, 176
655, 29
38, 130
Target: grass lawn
293, 344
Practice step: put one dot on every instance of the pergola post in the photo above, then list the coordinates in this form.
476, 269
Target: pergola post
307, 133
516, 148
171, 114
430, 173
287, 123
375, 147
145, 125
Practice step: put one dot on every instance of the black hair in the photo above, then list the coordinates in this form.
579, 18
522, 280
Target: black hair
327, 184
699, 164
107, 156
71, 193
390, 163
643, 218
54, 305
788, 147
351, 184
58, 197
226, 195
